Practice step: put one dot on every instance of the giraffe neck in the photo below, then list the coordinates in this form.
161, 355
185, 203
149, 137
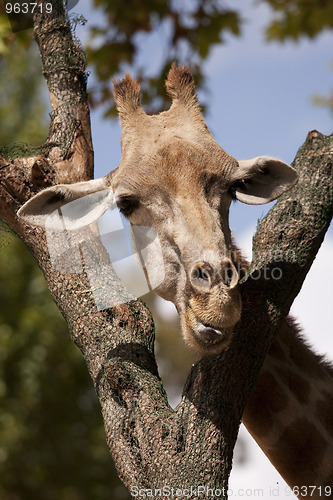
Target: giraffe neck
290, 412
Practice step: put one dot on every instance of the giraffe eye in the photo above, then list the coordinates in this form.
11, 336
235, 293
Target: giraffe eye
241, 185
127, 205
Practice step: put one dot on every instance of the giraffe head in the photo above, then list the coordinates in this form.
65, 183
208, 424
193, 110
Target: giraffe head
175, 178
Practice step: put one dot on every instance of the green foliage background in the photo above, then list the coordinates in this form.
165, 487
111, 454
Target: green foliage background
23, 115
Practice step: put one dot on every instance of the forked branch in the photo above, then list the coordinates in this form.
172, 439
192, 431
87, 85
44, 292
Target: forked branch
153, 445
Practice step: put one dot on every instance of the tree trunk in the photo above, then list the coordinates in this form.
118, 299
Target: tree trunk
190, 448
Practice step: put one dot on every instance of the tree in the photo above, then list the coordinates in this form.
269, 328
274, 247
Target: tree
152, 444
294, 19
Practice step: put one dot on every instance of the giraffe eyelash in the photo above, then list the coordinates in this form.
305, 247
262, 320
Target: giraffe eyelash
127, 205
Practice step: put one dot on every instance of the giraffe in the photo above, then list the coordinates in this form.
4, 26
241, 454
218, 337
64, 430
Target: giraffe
294, 423
175, 178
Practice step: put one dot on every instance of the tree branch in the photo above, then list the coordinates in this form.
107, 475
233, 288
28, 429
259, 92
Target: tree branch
67, 156
291, 234
64, 70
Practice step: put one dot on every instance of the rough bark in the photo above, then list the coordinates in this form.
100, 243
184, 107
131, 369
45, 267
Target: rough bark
154, 446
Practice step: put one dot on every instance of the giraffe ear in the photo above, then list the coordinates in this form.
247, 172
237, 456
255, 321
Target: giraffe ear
68, 206
263, 179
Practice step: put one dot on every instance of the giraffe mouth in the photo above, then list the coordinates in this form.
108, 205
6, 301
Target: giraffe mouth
210, 336
210, 333
204, 336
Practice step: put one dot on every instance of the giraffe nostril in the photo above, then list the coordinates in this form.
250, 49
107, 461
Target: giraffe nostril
201, 275
229, 274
